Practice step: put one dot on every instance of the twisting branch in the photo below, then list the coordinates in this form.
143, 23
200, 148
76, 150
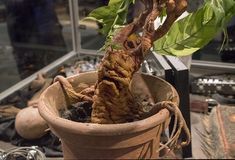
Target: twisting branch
133, 27
73, 96
174, 8
148, 28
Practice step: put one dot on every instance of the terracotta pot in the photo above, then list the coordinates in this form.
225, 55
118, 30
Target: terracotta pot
135, 140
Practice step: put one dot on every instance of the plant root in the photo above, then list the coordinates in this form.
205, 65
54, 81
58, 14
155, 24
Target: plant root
73, 96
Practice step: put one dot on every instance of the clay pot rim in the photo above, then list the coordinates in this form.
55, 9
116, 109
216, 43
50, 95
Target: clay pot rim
55, 121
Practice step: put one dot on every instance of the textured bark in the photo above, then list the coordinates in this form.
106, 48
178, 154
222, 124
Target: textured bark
111, 97
112, 100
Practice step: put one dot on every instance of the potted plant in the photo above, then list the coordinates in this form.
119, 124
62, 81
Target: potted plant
129, 109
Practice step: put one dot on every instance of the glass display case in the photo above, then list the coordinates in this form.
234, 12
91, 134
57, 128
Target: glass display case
41, 36
33, 35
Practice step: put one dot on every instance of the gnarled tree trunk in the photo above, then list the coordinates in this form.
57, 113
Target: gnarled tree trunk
112, 100
111, 97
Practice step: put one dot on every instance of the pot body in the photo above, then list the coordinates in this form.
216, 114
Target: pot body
134, 140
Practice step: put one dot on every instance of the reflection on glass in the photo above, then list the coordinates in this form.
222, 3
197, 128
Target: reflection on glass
33, 33
90, 37
89, 30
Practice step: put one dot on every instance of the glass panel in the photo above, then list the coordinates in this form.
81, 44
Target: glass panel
90, 37
33, 33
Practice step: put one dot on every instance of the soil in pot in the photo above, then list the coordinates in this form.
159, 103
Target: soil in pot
81, 111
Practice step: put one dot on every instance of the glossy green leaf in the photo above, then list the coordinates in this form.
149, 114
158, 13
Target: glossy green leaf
111, 15
111, 2
197, 29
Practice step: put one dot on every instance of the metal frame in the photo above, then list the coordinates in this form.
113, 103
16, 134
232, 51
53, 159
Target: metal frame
74, 8
74, 12
74, 15
158, 67
181, 83
167, 68
177, 74
49, 69
227, 67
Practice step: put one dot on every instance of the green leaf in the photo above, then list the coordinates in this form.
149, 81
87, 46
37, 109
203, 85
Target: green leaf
197, 29
111, 2
163, 14
111, 15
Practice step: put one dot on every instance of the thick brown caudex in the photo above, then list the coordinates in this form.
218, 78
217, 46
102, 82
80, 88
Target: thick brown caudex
111, 98
112, 101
